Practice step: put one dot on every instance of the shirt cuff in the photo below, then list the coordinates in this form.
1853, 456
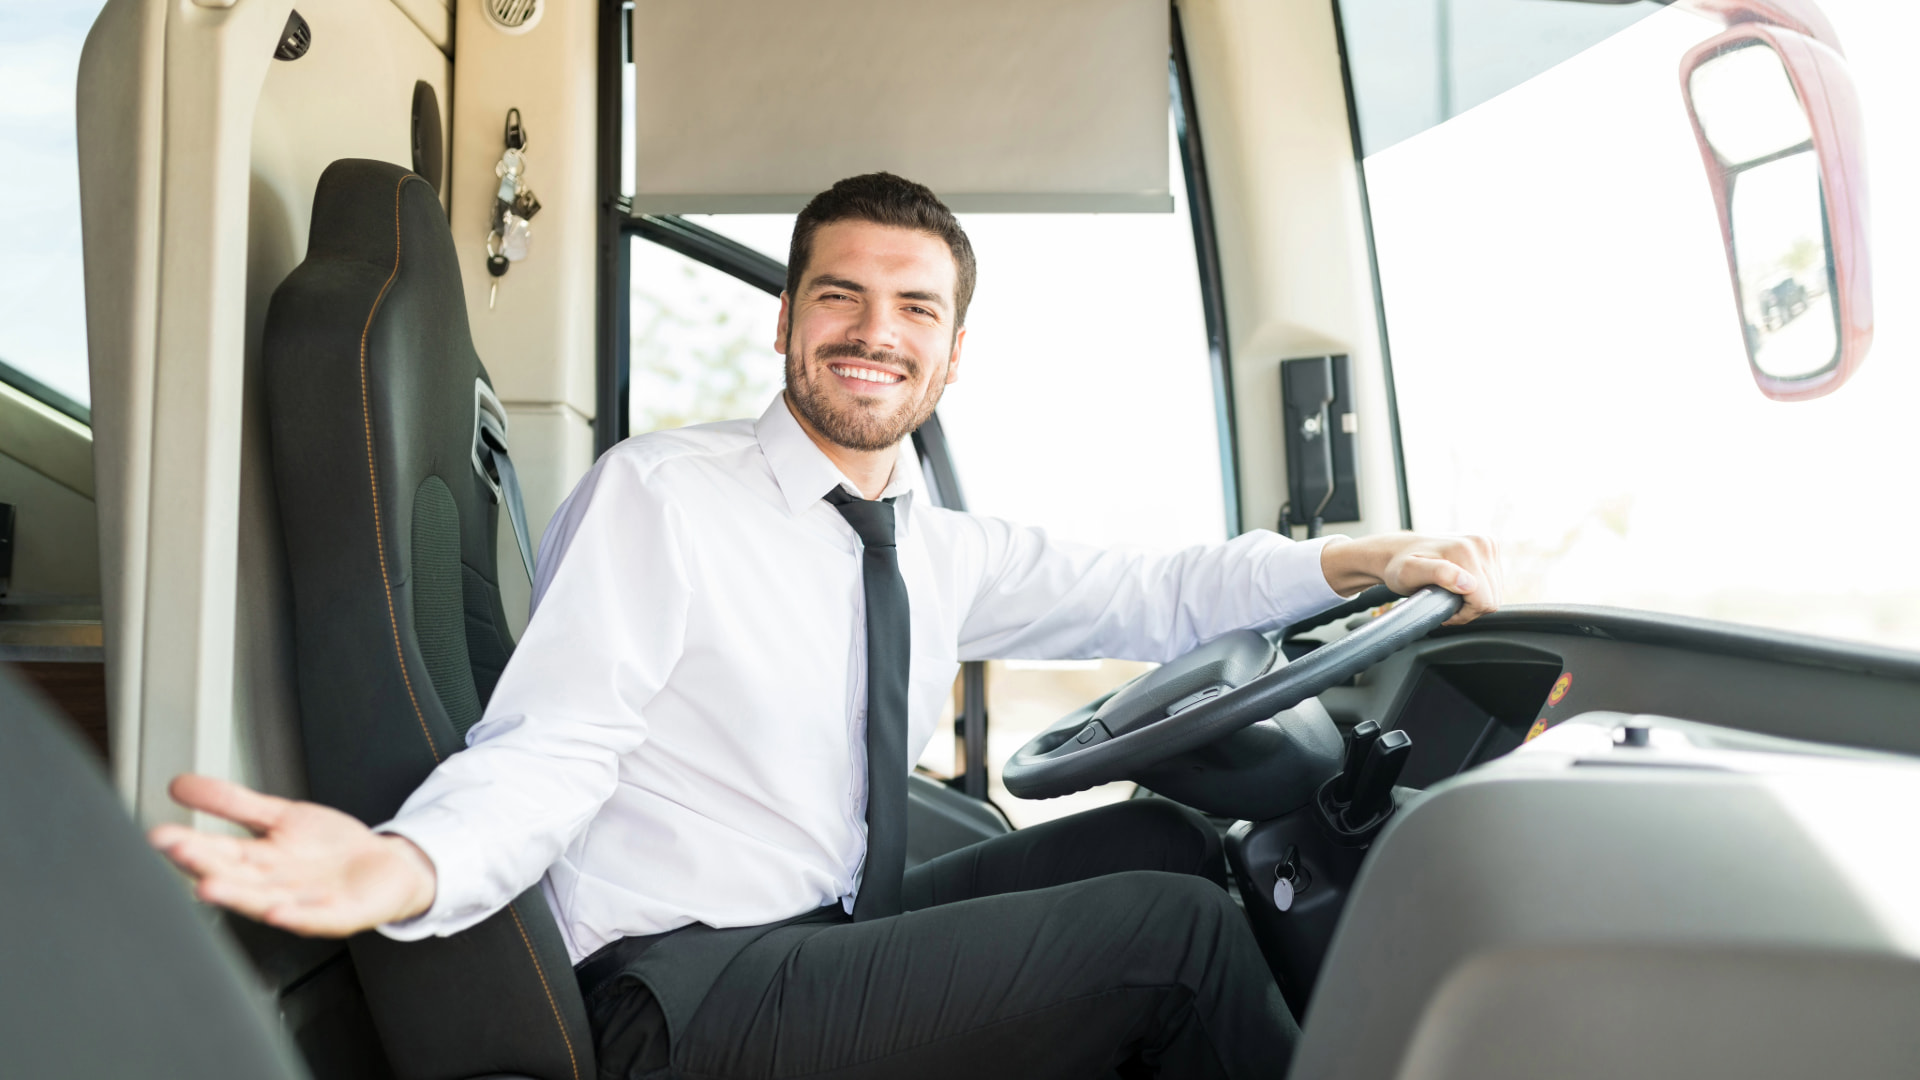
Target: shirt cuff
1298, 584
456, 872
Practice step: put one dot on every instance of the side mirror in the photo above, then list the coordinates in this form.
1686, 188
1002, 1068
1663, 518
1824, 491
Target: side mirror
1778, 123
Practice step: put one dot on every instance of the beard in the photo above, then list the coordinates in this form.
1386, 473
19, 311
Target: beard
855, 424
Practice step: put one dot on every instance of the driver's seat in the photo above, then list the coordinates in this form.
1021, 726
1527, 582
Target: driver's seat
377, 404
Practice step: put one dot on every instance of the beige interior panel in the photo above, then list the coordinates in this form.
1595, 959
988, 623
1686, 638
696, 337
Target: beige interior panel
1023, 105
118, 113
46, 438
1286, 195
54, 538
434, 18
538, 338
164, 114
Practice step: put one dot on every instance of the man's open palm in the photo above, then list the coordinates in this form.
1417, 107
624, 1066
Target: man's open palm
309, 869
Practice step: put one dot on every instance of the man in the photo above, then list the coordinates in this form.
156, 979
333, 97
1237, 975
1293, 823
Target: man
742, 637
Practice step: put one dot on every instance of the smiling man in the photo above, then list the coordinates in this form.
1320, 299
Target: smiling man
742, 636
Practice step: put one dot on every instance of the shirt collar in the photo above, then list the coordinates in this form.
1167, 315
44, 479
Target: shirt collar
805, 475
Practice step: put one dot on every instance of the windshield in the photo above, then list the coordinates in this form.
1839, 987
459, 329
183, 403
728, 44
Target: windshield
1571, 372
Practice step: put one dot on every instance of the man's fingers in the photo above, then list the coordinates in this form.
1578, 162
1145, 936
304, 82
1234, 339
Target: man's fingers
222, 798
1468, 572
201, 854
247, 877
1432, 570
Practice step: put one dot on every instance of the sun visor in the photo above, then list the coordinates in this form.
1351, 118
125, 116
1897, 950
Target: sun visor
753, 106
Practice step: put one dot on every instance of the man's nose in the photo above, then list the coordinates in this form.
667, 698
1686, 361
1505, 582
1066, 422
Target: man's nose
876, 328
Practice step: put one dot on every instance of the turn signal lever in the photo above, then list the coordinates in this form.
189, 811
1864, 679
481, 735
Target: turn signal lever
1357, 801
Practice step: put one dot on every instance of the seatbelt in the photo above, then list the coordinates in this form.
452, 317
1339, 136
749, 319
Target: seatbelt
490, 460
496, 456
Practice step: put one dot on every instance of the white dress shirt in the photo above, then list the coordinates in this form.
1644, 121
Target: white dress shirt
680, 735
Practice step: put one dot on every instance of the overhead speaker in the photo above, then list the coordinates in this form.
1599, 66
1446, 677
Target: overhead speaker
513, 16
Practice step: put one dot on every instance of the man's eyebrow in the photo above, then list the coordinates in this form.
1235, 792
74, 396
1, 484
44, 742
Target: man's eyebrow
830, 281
923, 296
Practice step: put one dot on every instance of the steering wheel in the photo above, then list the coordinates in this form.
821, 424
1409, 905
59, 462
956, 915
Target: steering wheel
1222, 686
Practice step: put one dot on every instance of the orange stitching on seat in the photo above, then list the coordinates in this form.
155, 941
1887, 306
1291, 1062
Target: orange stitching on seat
373, 478
366, 415
554, 1005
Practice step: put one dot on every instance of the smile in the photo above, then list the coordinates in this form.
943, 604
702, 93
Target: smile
865, 374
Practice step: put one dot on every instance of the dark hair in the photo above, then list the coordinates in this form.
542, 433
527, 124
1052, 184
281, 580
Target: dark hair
885, 199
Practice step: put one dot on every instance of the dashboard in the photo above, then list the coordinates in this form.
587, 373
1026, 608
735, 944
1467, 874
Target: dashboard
1467, 695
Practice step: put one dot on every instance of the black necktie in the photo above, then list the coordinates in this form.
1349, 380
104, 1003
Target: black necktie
888, 653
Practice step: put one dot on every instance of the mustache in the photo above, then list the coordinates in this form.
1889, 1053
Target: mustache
848, 350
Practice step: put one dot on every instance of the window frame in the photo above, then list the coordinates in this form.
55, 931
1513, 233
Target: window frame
1206, 251
1373, 272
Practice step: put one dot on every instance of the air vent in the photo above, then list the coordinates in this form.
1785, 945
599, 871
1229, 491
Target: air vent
296, 37
513, 16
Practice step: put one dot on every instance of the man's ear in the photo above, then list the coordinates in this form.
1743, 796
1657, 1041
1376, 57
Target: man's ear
953, 358
780, 329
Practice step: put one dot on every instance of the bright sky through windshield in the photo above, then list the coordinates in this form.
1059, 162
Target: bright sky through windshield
1569, 358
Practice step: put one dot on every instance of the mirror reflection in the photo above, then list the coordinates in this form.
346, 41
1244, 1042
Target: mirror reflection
1784, 268
1753, 120
1747, 106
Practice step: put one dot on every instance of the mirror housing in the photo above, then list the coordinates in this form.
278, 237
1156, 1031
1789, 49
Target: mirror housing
1782, 298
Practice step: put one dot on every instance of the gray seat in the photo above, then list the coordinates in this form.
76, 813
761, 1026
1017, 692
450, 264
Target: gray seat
108, 970
372, 384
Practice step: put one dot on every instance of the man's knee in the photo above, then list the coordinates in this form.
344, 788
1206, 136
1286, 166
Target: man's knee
1162, 900
1188, 840
1178, 926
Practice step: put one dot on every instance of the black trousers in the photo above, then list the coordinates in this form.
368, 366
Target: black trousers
1098, 942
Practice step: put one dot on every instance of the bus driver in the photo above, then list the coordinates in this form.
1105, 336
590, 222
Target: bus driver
742, 634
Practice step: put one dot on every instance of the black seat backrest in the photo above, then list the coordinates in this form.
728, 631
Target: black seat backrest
105, 969
400, 636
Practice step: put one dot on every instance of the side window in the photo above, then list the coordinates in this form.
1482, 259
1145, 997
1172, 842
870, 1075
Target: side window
702, 343
1571, 373
43, 325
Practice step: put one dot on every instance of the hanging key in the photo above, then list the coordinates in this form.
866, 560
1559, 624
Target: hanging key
1290, 878
496, 266
514, 205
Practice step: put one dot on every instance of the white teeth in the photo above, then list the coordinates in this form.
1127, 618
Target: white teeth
864, 374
